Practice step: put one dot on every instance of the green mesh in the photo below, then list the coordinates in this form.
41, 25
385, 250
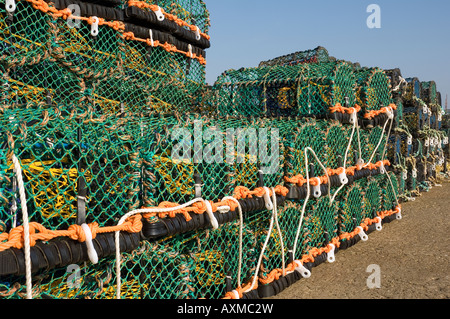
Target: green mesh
374, 89
25, 36
317, 55
351, 209
306, 89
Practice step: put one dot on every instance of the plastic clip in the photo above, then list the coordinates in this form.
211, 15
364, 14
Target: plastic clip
425, 109
269, 204
398, 215
414, 173
389, 112
445, 140
316, 189
343, 177
93, 257
94, 26
197, 34
150, 32
330, 255
409, 140
405, 175
382, 168
159, 14
10, 6
304, 272
353, 116
379, 225
427, 142
362, 234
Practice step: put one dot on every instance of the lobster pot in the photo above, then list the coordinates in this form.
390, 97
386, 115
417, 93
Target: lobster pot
319, 226
45, 85
66, 156
373, 89
412, 91
317, 55
303, 90
351, 208
89, 50
395, 78
180, 153
24, 35
428, 92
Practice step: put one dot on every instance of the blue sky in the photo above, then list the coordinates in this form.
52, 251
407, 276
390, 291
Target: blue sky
414, 34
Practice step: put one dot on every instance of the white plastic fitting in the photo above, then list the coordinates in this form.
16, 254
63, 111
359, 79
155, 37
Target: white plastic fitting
405, 175
343, 178
378, 224
414, 173
410, 140
93, 257
150, 33
353, 117
316, 189
427, 142
267, 200
398, 215
362, 234
94, 27
304, 272
382, 168
10, 6
159, 14
197, 33
330, 255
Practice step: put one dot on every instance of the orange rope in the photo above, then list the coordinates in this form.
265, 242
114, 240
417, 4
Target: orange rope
372, 114
133, 225
299, 180
340, 109
15, 238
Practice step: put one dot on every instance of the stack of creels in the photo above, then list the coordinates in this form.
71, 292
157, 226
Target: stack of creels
374, 92
317, 55
290, 90
105, 56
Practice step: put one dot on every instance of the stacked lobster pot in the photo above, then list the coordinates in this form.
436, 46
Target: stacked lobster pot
123, 175
422, 141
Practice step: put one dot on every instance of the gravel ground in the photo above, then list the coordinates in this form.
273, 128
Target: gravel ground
412, 255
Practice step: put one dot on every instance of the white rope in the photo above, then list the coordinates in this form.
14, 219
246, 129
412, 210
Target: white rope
135, 212
379, 143
355, 126
308, 194
258, 265
26, 227
402, 81
275, 210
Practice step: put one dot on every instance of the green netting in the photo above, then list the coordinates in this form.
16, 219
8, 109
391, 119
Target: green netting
24, 35
428, 92
305, 89
58, 148
351, 209
374, 89
317, 55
